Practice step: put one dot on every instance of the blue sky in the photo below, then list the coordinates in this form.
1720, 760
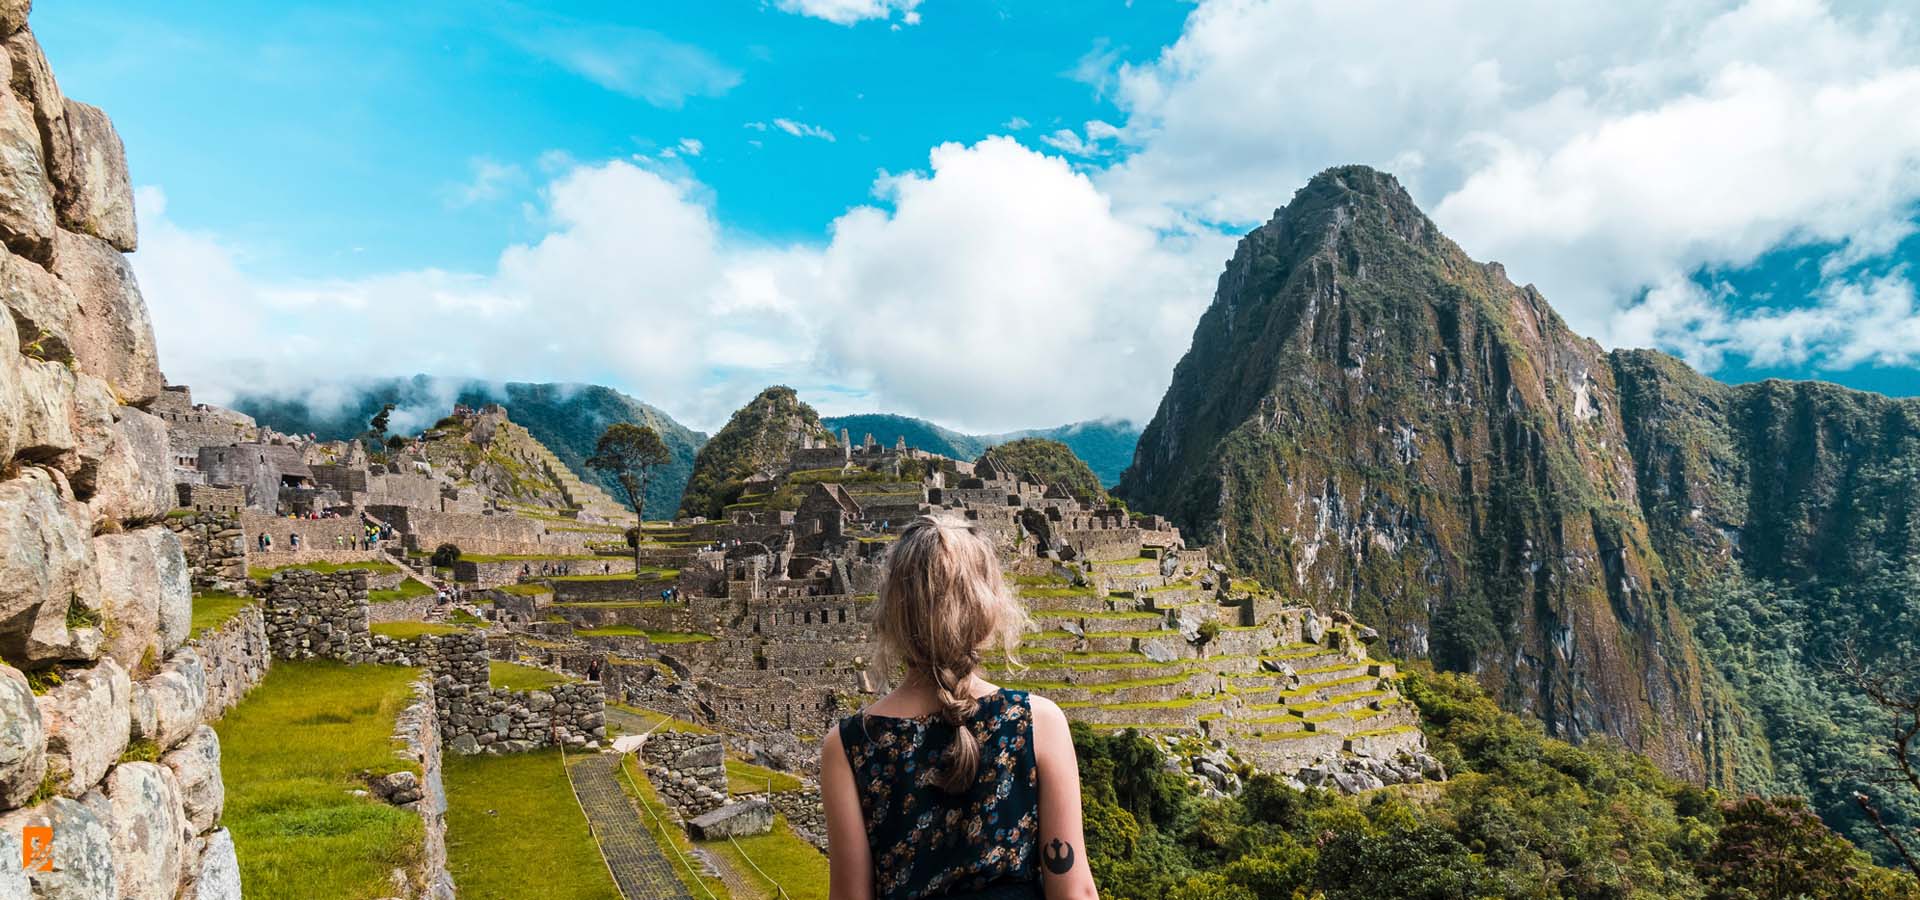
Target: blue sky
995, 214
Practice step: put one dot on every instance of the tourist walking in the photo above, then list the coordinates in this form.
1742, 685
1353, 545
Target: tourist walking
998, 814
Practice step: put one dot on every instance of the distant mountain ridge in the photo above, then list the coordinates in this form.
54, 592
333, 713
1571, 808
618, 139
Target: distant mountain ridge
1105, 445
567, 418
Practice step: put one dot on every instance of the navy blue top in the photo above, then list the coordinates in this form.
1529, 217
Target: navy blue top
929, 843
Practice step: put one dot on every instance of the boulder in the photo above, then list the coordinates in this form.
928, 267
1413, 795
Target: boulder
41, 306
1157, 651
23, 758
26, 193
701, 756
150, 833
82, 852
1312, 627
166, 707
13, 15
9, 385
196, 768
66, 419
741, 819
134, 480
219, 877
46, 567
1169, 564
145, 592
93, 194
85, 717
112, 336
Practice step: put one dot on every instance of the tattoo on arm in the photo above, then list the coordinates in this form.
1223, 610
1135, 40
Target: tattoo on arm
1058, 857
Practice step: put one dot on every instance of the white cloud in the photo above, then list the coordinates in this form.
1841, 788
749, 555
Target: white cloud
1599, 151
633, 284
1851, 321
802, 129
685, 147
1016, 124
848, 12
637, 62
490, 178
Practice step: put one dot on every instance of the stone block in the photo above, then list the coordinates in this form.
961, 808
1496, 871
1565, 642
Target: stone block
66, 420
93, 194
23, 760
748, 817
26, 192
196, 767
219, 877
145, 592
46, 566
85, 718
166, 708
134, 480
41, 306
83, 864
150, 834
111, 334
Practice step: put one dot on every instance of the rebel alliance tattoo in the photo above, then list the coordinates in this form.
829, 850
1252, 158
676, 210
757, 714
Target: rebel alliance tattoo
1058, 857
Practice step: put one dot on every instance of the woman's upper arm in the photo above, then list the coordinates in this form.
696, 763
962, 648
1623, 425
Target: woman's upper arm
849, 859
1063, 843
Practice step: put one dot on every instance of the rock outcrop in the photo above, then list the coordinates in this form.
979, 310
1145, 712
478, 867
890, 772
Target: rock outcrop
756, 442
95, 603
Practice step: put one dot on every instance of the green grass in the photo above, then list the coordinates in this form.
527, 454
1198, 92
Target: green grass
407, 631
658, 637
747, 778
526, 557
1097, 687
516, 677
673, 841
525, 590
213, 609
372, 567
615, 604
289, 755
493, 802
784, 858
658, 721
407, 590
462, 617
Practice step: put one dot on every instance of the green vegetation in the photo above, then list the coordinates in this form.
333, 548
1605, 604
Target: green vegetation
672, 840
1050, 462
492, 802
760, 435
373, 567
290, 753
660, 721
747, 778
778, 863
214, 608
1523, 816
407, 631
516, 677
407, 590
525, 590
658, 637
630, 455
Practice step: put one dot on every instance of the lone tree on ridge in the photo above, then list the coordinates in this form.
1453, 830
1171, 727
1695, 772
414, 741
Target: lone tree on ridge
630, 453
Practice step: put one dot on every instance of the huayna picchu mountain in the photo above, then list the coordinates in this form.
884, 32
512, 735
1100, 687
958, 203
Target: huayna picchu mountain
1371, 419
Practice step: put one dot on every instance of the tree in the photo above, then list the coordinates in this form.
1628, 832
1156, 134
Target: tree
630, 453
444, 556
376, 433
1777, 847
1895, 688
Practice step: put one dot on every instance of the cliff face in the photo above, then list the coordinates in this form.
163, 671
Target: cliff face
1371, 419
101, 696
759, 438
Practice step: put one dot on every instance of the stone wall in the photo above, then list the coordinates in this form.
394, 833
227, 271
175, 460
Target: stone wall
316, 536
318, 615
215, 548
420, 788
689, 770
95, 597
476, 717
495, 574
806, 816
235, 656
502, 535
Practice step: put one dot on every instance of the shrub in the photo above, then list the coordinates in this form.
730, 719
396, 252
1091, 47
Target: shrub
445, 555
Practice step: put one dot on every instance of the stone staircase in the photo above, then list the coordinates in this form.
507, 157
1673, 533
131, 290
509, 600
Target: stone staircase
587, 498
1118, 645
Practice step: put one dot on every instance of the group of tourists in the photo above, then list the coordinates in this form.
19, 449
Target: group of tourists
670, 595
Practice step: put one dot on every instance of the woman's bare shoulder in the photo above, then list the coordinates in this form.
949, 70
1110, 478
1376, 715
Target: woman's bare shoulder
1047, 714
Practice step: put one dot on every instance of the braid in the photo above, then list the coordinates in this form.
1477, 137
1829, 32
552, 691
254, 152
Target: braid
963, 758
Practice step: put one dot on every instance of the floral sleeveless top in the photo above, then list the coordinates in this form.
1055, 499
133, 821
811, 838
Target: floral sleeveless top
928, 843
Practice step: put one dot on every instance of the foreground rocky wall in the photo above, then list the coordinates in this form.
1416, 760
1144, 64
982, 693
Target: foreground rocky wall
236, 657
419, 787
101, 741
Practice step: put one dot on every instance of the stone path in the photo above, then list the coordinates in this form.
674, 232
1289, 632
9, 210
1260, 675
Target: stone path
640, 867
